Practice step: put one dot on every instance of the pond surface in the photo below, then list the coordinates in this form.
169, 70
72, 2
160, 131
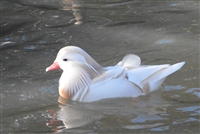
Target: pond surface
159, 32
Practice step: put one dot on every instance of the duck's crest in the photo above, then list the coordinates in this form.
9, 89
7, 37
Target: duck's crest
87, 57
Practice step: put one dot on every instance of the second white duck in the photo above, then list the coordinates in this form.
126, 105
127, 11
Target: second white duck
83, 79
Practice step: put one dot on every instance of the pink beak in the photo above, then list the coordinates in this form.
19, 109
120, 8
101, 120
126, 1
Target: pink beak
54, 66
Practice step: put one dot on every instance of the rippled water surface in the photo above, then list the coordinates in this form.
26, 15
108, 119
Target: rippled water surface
32, 32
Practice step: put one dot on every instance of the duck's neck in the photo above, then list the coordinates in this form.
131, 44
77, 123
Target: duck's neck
92, 62
78, 76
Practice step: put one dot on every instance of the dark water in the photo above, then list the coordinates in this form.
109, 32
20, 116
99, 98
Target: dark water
32, 32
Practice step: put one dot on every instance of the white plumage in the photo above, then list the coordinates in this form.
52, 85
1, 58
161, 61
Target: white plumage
83, 79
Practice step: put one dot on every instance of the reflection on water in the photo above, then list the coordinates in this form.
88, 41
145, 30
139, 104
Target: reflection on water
76, 7
83, 10
72, 116
144, 113
159, 32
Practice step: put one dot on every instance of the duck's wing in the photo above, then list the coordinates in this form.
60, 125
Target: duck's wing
113, 72
149, 78
109, 73
155, 80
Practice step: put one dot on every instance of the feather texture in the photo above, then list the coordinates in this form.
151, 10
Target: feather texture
77, 77
83, 79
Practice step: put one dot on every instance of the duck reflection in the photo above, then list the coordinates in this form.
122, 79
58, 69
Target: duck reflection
71, 115
151, 109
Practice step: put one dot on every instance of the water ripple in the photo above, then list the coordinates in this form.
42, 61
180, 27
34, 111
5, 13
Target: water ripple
185, 120
146, 117
188, 109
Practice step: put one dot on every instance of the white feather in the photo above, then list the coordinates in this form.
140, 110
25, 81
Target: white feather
77, 76
85, 80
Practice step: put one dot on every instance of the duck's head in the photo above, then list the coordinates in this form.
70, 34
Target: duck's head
69, 55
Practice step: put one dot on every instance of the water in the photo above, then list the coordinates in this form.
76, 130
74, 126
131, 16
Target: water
159, 32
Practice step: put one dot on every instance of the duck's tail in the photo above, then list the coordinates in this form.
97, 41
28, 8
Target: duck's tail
155, 80
150, 78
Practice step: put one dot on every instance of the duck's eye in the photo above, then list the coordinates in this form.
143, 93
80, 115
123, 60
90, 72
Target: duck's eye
65, 59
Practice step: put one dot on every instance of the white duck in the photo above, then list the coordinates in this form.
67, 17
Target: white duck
83, 79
